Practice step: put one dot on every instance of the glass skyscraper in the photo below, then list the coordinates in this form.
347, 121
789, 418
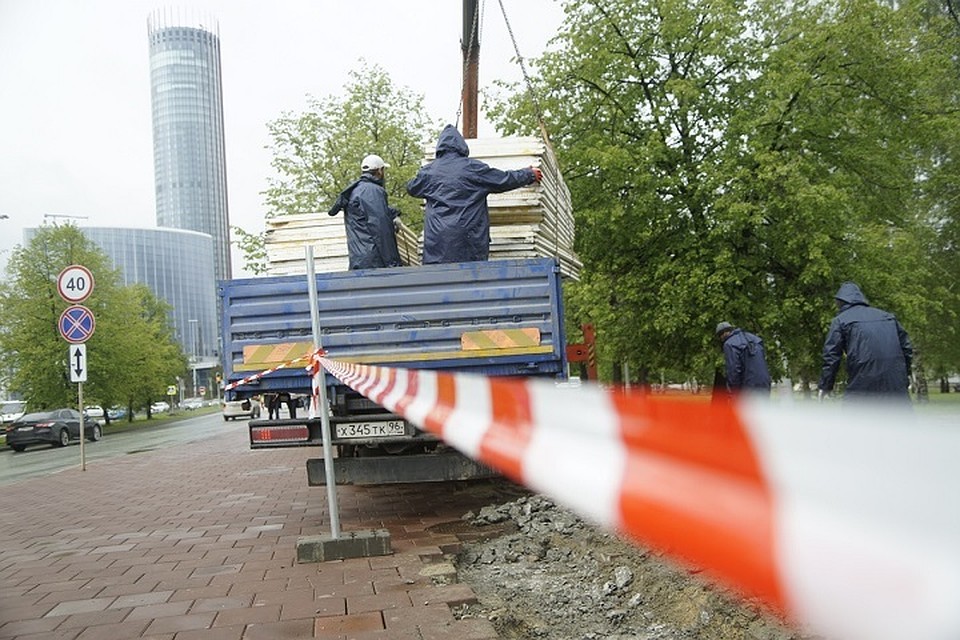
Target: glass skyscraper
188, 139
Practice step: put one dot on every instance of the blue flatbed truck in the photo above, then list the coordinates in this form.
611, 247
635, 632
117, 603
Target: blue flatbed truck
497, 318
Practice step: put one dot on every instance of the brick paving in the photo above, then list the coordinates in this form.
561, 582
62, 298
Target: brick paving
198, 542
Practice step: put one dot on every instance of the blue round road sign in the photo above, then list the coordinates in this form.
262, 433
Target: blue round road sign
76, 324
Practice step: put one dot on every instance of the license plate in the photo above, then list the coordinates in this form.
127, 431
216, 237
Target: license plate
371, 429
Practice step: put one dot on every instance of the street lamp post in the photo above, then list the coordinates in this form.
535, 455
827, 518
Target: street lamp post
194, 327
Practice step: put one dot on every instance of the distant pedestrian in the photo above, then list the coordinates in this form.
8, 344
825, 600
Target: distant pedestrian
456, 226
273, 405
744, 359
285, 398
877, 348
369, 221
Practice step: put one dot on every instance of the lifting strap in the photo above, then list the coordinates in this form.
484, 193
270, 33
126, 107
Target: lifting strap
539, 113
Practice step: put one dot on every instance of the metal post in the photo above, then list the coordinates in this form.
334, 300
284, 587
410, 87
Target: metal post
83, 458
470, 45
194, 327
322, 409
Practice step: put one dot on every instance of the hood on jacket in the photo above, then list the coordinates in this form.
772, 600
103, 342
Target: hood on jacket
451, 141
340, 204
849, 293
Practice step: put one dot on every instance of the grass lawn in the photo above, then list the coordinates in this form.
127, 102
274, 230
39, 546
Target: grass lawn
945, 400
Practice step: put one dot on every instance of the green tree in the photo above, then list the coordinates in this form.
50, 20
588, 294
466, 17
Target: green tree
737, 161
36, 356
152, 347
317, 153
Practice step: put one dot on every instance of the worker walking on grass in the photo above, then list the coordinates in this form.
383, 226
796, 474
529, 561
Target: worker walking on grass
878, 350
745, 360
456, 226
369, 221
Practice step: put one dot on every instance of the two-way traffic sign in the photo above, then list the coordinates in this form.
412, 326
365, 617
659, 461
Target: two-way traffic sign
78, 363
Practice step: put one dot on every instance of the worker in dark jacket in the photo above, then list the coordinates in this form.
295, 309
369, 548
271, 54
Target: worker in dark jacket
878, 349
457, 224
745, 360
369, 221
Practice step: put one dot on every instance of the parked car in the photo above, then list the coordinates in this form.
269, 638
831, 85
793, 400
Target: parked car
58, 427
247, 408
159, 407
115, 413
93, 412
192, 403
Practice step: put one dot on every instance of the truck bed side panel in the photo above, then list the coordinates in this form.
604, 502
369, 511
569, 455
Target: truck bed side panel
406, 316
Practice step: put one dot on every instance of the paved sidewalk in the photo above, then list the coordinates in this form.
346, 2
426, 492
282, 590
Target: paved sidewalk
198, 543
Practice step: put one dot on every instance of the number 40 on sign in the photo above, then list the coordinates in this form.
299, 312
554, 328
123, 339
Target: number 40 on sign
75, 283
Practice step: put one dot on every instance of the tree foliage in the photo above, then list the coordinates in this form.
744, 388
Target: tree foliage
317, 153
737, 161
131, 356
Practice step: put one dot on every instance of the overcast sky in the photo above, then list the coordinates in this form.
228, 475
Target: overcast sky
75, 128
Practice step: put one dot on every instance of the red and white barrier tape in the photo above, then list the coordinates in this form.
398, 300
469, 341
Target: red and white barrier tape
844, 519
257, 376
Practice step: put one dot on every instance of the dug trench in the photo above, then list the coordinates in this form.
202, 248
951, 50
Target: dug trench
539, 571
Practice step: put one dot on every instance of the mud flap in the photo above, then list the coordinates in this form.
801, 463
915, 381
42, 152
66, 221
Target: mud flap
399, 469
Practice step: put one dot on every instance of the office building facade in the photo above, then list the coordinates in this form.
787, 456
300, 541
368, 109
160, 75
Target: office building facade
190, 171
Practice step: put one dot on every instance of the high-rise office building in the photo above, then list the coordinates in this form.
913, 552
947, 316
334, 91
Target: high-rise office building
189, 154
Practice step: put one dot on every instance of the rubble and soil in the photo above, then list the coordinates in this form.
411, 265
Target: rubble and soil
539, 571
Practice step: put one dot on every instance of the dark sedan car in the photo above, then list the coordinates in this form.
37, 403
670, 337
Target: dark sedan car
57, 427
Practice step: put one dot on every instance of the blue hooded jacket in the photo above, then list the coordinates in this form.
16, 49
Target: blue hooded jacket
878, 349
371, 239
457, 223
746, 362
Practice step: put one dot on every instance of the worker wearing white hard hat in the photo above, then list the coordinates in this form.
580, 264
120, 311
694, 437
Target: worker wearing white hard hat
368, 219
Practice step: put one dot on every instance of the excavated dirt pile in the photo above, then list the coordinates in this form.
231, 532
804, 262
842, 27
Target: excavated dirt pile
541, 572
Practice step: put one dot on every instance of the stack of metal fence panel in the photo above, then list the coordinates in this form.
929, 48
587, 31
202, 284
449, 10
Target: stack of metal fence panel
533, 221
286, 236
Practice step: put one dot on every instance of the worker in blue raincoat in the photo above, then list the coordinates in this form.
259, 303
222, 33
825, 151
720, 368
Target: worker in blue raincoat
369, 221
878, 350
457, 224
744, 358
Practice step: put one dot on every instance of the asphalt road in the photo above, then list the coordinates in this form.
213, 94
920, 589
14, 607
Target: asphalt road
42, 460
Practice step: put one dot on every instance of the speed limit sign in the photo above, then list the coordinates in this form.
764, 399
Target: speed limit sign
75, 283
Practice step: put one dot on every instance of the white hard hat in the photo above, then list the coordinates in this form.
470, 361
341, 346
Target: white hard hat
372, 163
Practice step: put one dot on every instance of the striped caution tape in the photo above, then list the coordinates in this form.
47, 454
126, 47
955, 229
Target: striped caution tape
842, 519
257, 376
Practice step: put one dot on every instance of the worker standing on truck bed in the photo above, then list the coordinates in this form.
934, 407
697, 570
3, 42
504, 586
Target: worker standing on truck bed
457, 223
369, 221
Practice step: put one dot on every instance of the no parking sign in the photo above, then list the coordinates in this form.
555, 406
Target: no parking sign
77, 324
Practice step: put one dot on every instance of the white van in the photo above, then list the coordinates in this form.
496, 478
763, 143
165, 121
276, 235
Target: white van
10, 410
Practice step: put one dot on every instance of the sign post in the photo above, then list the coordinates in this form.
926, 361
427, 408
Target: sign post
76, 325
